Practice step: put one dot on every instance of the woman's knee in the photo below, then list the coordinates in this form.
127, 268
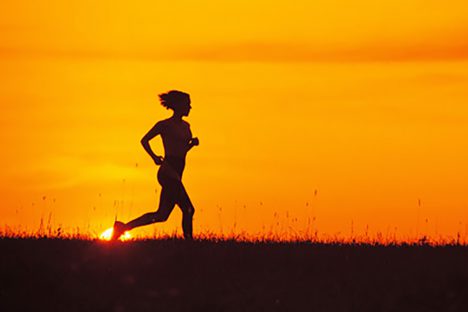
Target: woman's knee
160, 216
186, 204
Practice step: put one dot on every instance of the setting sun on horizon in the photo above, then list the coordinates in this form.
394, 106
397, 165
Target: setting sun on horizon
315, 118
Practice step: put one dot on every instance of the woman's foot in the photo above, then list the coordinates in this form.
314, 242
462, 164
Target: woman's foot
119, 229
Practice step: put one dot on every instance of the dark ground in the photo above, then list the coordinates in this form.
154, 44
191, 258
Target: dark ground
172, 275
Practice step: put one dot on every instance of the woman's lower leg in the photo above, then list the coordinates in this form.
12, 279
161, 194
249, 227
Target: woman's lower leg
187, 225
145, 219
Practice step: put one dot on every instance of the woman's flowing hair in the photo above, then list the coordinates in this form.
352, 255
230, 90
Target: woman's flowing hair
174, 98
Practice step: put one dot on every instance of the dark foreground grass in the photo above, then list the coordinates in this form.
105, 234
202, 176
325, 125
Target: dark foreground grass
173, 275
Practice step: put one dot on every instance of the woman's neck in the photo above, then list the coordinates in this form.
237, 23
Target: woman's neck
177, 117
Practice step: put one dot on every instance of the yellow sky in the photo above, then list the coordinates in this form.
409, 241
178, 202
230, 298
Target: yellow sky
188, 28
332, 111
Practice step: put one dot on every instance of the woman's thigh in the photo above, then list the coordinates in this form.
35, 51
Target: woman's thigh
174, 192
166, 203
183, 201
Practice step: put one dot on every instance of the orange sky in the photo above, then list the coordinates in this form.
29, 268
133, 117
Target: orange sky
332, 116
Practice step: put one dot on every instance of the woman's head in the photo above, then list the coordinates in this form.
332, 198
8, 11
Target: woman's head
178, 101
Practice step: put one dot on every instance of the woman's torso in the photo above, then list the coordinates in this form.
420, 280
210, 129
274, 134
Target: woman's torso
176, 136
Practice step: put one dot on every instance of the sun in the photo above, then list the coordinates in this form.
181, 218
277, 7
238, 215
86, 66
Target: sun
107, 235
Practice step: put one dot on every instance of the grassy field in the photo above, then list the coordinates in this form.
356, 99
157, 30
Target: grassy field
174, 275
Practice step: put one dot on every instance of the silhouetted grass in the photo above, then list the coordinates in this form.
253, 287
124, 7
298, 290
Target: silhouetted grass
377, 240
217, 274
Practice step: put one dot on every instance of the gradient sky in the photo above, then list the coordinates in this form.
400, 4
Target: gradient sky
336, 116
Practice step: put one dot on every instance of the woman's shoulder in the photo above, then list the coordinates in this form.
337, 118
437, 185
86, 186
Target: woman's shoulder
161, 125
169, 122
164, 122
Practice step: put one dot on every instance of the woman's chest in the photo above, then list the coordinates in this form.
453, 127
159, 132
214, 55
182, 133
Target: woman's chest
178, 132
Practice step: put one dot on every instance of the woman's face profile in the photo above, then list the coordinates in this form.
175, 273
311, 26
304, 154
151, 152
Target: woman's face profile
185, 108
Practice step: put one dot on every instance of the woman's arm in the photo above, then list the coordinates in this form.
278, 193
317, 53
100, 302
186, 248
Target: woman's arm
156, 130
193, 141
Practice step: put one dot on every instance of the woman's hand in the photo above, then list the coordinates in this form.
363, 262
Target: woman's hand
158, 160
194, 142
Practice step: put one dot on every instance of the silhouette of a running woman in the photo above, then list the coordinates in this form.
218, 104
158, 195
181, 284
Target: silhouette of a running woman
177, 140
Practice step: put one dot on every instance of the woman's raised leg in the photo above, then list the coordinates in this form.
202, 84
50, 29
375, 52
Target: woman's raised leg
166, 205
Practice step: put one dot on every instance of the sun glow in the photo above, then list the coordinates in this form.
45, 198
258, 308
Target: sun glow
107, 235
